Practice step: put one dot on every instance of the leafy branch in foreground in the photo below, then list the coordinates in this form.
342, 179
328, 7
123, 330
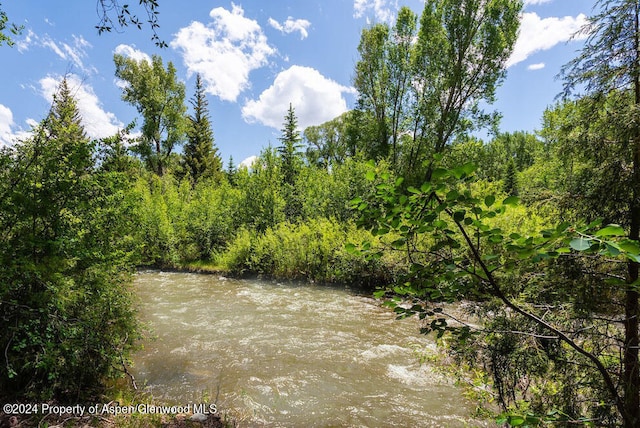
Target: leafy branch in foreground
108, 10
13, 28
457, 252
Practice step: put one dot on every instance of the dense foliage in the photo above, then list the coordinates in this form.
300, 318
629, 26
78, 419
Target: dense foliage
557, 331
65, 263
538, 234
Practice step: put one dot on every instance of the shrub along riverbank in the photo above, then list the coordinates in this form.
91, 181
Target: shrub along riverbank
258, 225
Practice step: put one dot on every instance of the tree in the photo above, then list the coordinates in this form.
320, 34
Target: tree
459, 61
582, 138
231, 171
291, 163
68, 321
114, 156
332, 142
383, 77
264, 204
511, 179
421, 94
200, 154
371, 79
290, 149
609, 63
400, 74
159, 97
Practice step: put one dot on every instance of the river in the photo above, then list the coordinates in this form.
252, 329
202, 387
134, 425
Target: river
290, 355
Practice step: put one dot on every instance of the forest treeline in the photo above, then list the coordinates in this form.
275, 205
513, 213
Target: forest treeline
537, 232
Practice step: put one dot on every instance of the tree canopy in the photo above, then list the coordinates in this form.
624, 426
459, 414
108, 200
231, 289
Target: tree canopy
159, 98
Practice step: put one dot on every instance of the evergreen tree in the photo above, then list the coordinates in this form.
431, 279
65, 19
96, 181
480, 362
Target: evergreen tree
231, 171
290, 149
291, 163
63, 127
200, 154
511, 180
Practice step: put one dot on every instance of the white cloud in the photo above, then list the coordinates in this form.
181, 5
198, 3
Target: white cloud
48, 42
24, 44
538, 66
132, 52
6, 125
315, 99
75, 52
248, 162
539, 34
97, 122
8, 132
534, 2
383, 10
291, 25
225, 51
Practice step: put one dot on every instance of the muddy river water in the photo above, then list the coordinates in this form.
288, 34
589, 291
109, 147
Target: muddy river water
290, 355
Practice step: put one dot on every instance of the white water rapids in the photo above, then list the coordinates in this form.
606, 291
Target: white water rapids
289, 355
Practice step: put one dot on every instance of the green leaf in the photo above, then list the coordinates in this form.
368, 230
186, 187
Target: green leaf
452, 195
399, 243
379, 294
381, 231
489, 200
459, 215
439, 173
511, 200
580, 244
612, 250
468, 168
629, 246
516, 420
370, 175
611, 230
502, 419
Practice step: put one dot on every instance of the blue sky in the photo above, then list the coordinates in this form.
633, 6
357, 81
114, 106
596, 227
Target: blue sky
255, 56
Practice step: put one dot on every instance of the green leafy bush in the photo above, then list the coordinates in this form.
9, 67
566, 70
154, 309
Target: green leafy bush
65, 260
313, 250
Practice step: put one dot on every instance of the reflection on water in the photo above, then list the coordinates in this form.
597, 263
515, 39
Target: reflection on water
288, 355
